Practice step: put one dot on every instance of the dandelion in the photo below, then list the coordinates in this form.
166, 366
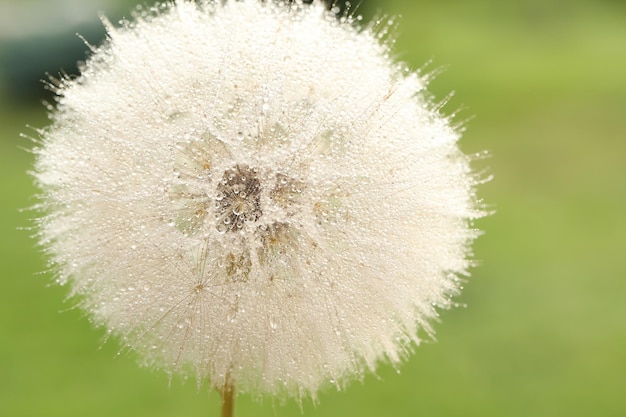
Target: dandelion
254, 193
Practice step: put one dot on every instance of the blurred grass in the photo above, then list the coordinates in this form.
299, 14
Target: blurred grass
544, 332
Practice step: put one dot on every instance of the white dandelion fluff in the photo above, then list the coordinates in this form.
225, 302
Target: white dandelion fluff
254, 193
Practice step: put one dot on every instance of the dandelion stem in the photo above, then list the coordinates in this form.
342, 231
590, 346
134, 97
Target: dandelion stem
227, 393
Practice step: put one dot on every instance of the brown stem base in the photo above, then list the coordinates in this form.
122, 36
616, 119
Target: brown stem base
228, 402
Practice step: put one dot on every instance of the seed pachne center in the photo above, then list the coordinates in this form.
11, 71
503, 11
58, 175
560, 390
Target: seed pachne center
238, 198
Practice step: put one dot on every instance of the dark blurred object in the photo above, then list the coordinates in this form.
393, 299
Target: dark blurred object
26, 63
349, 7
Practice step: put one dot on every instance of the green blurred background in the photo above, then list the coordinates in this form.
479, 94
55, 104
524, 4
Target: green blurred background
544, 330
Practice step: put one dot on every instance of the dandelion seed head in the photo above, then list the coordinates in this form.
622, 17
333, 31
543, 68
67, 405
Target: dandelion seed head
255, 193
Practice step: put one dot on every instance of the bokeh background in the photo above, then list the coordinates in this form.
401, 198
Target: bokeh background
542, 85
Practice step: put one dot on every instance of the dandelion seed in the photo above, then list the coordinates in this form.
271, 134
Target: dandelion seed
254, 193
